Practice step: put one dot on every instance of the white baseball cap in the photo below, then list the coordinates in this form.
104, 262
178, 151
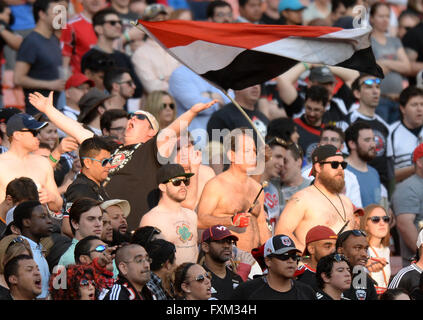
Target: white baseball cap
123, 204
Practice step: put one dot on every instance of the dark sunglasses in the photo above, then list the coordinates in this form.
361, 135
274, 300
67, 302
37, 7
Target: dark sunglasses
201, 277
346, 234
177, 181
18, 239
153, 232
335, 164
34, 132
100, 248
339, 257
286, 256
113, 22
103, 162
370, 82
86, 283
140, 116
170, 105
376, 219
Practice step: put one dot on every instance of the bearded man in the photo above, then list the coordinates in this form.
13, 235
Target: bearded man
322, 203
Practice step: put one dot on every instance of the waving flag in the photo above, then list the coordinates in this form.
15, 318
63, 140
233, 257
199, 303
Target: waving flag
240, 55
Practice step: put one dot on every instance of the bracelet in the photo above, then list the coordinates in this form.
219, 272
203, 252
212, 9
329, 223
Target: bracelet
52, 159
126, 36
306, 66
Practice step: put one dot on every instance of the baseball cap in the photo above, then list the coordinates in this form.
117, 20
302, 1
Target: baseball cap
418, 152
123, 204
217, 232
77, 79
358, 211
21, 121
279, 244
419, 239
7, 113
89, 101
318, 233
170, 171
419, 80
321, 75
153, 10
323, 152
294, 5
152, 119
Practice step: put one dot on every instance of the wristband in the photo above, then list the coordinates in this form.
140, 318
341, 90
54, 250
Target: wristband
306, 66
52, 158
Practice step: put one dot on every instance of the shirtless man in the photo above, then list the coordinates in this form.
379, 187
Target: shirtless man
227, 198
178, 224
190, 160
322, 202
22, 130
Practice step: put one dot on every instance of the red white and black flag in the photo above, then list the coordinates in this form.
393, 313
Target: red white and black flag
240, 55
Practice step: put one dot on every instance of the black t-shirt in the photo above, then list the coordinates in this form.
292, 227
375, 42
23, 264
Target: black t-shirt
5, 294
222, 289
413, 39
307, 276
309, 136
229, 117
121, 60
259, 289
265, 19
361, 291
321, 295
133, 178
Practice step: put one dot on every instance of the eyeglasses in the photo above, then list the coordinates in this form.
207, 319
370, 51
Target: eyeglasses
34, 132
335, 164
140, 116
170, 105
113, 22
370, 82
201, 277
100, 248
376, 219
86, 283
177, 181
286, 256
333, 139
103, 162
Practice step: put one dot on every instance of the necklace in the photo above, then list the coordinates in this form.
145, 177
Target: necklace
345, 215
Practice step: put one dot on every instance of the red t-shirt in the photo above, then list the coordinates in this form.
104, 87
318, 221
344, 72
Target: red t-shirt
76, 39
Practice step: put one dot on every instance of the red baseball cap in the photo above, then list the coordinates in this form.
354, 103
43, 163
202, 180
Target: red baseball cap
76, 79
418, 152
216, 233
359, 211
318, 233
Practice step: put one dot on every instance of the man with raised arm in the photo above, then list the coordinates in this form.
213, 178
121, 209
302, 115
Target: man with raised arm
322, 203
227, 198
135, 163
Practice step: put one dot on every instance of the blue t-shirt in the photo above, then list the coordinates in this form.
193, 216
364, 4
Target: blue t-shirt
370, 189
45, 57
24, 19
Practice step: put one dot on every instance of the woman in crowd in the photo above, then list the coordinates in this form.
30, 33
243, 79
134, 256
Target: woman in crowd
192, 282
375, 222
162, 106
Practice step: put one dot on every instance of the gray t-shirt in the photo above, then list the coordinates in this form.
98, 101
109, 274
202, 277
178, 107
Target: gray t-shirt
392, 83
408, 198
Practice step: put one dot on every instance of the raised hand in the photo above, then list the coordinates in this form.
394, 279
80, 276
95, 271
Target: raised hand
67, 144
198, 107
41, 102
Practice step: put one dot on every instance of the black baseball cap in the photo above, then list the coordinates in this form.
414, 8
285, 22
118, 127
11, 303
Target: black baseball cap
21, 121
7, 113
321, 75
321, 153
170, 171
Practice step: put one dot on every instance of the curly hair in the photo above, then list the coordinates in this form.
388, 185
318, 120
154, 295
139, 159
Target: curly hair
74, 275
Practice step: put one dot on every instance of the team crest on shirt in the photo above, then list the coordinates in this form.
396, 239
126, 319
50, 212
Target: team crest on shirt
380, 143
121, 158
361, 294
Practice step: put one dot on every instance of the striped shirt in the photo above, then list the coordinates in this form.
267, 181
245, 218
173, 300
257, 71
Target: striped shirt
407, 278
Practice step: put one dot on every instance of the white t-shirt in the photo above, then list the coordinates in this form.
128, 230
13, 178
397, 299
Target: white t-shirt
382, 277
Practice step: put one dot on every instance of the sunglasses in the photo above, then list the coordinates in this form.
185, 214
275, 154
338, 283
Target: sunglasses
103, 162
339, 257
140, 116
201, 277
100, 248
376, 219
286, 256
370, 82
177, 181
113, 22
18, 239
170, 105
34, 132
335, 164
86, 283
153, 232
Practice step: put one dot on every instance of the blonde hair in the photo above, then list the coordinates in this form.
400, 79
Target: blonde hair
8, 250
364, 218
154, 103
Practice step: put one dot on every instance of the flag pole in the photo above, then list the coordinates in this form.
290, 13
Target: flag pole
143, 29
